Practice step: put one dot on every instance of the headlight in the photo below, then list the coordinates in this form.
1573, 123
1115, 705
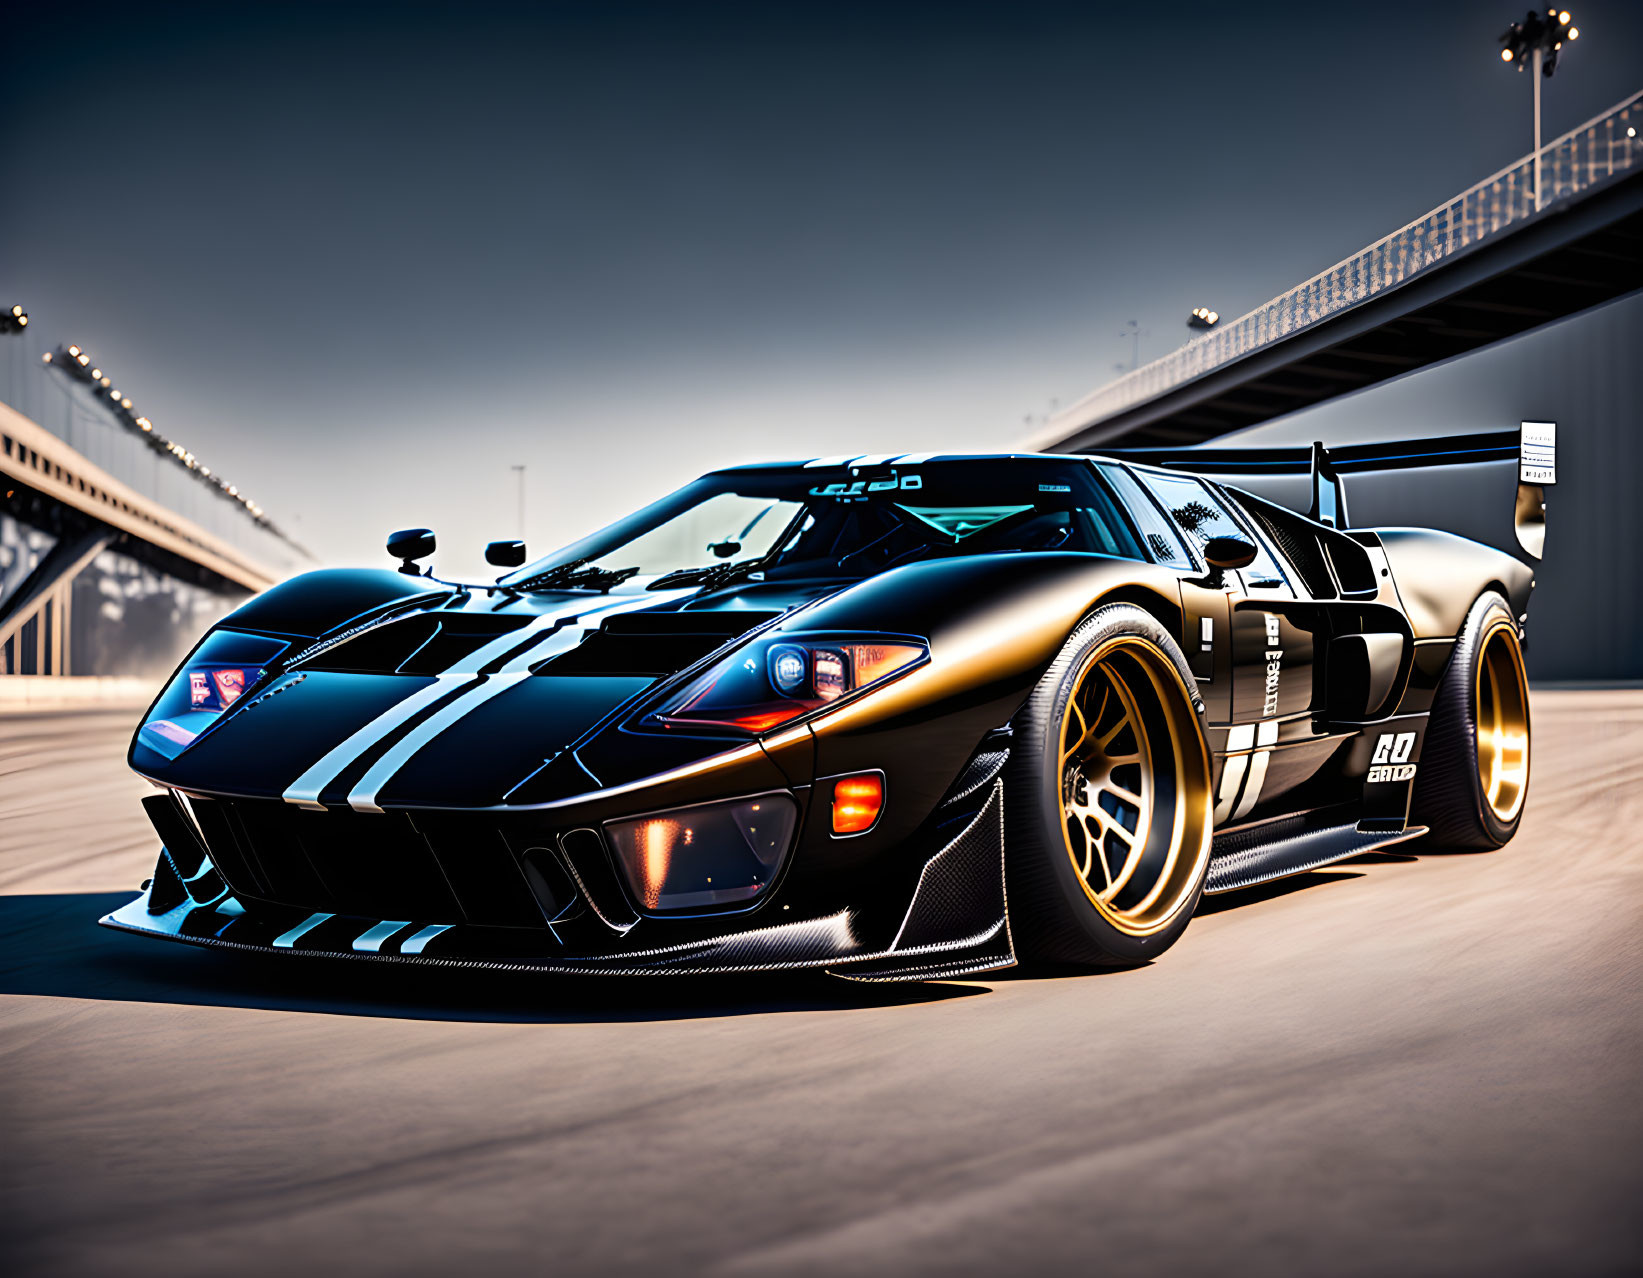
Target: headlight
705, 857
216, 675
779, 677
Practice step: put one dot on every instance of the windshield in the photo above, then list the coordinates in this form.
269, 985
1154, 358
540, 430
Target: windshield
835, 522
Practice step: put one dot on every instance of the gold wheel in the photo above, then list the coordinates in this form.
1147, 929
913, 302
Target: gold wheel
1503, 721
1135, 779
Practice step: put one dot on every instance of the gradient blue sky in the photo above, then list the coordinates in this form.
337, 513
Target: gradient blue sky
363, 259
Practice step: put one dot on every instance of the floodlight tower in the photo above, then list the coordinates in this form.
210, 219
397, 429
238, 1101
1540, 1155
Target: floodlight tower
1536, 42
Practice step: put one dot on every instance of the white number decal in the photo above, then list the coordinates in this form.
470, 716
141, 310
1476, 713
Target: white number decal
1391, 758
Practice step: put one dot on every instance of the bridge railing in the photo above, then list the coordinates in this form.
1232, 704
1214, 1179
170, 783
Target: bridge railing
1610, 144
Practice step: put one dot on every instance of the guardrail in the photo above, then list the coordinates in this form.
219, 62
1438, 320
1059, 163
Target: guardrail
1602, 148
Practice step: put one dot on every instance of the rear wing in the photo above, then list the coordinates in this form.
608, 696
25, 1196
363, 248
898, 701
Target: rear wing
1490, 487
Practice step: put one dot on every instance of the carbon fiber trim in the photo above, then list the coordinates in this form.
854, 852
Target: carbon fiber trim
946, 901
977, 773
959, 920
1292, 845
956, 921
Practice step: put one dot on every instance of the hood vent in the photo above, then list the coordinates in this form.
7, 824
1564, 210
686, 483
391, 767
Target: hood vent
652, 644
421, 645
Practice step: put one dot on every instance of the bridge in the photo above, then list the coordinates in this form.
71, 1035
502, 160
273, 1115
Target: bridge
1492, 262
1483, 267
116, 542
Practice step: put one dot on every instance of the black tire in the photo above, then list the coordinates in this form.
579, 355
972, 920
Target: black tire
1154, 881
1472, 798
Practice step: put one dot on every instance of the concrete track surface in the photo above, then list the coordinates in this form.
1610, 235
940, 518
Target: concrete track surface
1395, 1066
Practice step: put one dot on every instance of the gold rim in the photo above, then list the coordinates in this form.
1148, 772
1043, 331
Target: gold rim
1134, 786
1503, 721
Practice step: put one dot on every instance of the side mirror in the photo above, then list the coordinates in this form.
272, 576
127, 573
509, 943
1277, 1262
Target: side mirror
724, 549
505, 554
410, 544
1228, 552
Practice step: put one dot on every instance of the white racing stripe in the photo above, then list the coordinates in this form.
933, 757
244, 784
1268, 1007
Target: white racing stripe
1266, 735
363, 797
1252, 787
419, 942
286, 940
1232, 776
370, 941
305, 790
1244, 771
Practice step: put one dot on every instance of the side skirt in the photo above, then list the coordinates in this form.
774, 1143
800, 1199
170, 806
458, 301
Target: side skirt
1292, 845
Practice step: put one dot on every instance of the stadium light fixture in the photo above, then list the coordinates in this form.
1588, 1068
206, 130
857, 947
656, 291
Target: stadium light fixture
77, 364
1203, 317
14, 321
1537, 42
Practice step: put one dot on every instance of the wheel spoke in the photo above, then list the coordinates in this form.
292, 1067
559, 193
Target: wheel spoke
1109, 822
1105, 739
1086, 726
1124, 796
1131, 860
1121, 719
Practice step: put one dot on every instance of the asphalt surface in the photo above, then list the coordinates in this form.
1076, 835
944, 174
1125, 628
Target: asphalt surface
1399, 1065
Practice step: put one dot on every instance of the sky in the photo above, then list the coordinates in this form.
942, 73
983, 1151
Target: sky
365, 260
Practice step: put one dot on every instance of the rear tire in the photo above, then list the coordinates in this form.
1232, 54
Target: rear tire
1474, 769
1107, 798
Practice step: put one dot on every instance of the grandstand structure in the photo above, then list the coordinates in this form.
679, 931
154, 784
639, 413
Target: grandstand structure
116, 542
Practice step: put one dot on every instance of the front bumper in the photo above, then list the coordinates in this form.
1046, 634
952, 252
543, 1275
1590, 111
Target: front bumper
939, 910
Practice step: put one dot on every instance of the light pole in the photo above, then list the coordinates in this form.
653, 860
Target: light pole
1536, 42
520, 471
1135, 333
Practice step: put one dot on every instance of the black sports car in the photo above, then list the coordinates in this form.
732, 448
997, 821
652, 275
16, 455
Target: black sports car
893, 716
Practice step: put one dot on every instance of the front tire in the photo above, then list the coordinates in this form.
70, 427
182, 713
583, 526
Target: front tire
1107, 798
1474, 769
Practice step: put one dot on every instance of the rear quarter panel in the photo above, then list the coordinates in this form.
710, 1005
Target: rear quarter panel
1439, 576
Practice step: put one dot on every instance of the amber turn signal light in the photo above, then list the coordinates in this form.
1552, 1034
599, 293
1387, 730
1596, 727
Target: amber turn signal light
857, 802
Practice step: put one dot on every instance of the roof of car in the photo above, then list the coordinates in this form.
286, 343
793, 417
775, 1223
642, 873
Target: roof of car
864, 460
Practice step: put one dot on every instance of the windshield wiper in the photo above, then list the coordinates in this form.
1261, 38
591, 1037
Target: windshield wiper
707, 575
576, 575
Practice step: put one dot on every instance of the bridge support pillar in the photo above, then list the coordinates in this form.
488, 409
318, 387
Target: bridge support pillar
35, 623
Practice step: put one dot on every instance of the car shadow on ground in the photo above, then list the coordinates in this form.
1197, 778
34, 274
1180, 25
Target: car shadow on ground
51, 946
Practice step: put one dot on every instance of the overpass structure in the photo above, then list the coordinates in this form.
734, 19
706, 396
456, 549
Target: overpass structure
1490, 263
114, 542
